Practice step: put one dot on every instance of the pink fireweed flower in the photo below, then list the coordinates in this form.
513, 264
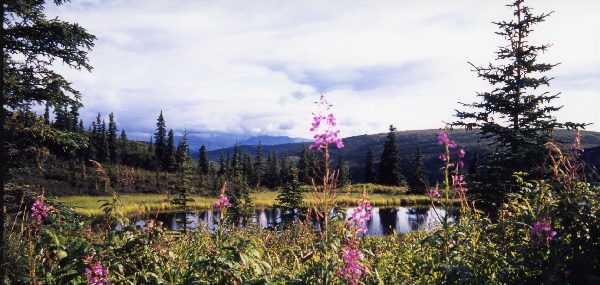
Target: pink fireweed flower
458, 181
442, 157
434, 193
324, 127
353, 269
96, 274
359, 217
39, 211
542, 233
461, 153
223, 202
444, 139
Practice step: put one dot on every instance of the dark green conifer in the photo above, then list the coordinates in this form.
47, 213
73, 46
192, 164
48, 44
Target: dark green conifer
418, 183
369, 167
389, 165
160, 142
516, 115
113, 148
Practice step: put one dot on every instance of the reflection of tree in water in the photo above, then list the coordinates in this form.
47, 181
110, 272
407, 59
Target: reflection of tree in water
417, 217
387, 220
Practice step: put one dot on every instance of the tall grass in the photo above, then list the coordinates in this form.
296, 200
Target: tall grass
137, 203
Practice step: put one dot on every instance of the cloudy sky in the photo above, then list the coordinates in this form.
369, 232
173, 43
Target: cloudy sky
256, 67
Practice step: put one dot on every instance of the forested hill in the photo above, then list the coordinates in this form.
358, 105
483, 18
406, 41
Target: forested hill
355, 150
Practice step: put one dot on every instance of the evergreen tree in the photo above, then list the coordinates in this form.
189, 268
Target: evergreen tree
81, 129
247, 168
203, 163
170, 163
516, 115
31, 44
284, 169
47, 114
123, 145
73, 119
304, 172
160, 142
112, 139
184, 187
389, 166
236, 160
258, 166
343, 169
369, 170
222, 166
61, 118
272, 172
290, 197
418, 183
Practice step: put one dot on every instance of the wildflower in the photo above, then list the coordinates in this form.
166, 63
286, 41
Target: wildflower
542, 233
444, 139
324, 125
461, 153
96, 274
458, 181
442, 157
223, 202
353, 269
434, 193
39, 211
359, 217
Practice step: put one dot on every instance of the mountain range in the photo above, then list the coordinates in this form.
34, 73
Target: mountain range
356, 148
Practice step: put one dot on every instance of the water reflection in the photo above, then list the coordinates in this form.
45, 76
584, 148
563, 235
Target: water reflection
384, 221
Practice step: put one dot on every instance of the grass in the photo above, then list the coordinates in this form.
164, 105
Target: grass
138, 203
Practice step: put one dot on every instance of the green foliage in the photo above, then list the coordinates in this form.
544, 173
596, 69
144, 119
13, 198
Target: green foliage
418, 180
515, 115
184, 188
389, 165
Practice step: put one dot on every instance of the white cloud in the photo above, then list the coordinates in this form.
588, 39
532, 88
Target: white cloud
256, 67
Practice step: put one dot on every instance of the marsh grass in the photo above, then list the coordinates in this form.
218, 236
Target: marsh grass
140, 203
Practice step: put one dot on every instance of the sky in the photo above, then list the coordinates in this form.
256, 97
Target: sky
257, 67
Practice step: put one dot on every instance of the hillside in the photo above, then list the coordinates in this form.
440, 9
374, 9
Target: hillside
356, 147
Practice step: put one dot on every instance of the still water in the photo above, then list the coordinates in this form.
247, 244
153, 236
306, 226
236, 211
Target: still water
384, 221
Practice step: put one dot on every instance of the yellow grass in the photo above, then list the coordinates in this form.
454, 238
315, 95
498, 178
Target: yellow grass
138, 203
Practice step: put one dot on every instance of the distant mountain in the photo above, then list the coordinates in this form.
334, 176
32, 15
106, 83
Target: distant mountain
356, 147
214, 141
271, 140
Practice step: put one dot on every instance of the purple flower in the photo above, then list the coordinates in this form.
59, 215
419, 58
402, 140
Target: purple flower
359, 217
96, 273
542, 233
223, 202
434, 193
39, 211
458, 181
444, 139
353, 269
324, 126
461, 153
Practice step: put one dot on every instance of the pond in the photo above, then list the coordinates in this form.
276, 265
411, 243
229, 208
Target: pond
384, 221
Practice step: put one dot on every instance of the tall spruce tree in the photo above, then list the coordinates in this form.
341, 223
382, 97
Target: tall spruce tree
47, 114
30, 45
290, 197
389, 165
222, 166
304, 172
170, 162
418, 183
160, 141
203, 162
184, 187
343, 169
113, 148
369, 167
258, 166
517, 114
